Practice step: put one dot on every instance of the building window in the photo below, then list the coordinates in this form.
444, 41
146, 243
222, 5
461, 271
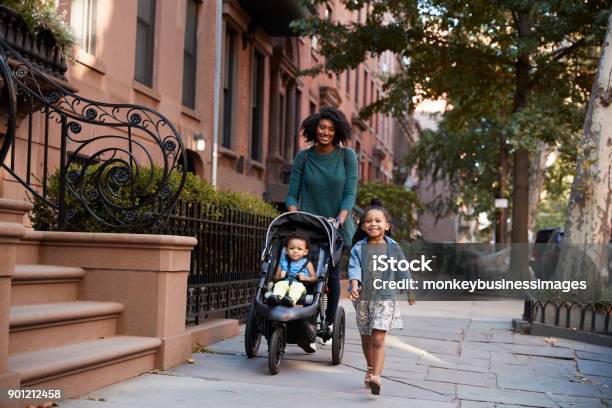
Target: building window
83, 23
296, 121
313, 108
371, 100
372, 89
145, 39
357, 85
257, 106
347, 77
228, 87
190, 54
374, 99
358, 154
365, 88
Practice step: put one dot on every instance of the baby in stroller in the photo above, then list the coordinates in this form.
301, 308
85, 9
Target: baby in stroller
300, 248
294, 269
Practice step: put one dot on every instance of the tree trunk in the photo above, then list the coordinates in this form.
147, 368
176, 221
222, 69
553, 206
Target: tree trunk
536, 181
519, 259
587, 230
502, 213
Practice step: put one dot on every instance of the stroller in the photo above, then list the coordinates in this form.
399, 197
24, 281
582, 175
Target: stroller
296, 325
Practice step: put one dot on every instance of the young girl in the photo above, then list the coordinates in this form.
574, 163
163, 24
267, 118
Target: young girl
377, 311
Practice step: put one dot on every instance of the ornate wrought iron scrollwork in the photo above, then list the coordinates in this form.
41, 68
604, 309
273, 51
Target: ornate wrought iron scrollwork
119, 163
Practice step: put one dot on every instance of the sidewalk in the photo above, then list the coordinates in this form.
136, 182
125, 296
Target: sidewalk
450, 354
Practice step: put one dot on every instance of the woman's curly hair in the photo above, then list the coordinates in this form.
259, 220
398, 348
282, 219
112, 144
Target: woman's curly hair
341, 124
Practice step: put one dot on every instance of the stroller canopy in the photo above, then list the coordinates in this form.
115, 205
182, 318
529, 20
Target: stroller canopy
319, 229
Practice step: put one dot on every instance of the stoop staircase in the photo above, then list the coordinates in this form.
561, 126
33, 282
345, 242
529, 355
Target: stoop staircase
58, 341
63, 327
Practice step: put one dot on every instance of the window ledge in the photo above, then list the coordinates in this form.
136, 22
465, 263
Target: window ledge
90, 61
228, 153
191, 113
145, 90
256, 164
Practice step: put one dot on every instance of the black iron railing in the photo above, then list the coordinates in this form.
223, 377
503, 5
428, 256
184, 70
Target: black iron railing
226, 260
586, 316
114, 161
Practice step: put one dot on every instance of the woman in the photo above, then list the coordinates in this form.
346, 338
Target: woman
324, 182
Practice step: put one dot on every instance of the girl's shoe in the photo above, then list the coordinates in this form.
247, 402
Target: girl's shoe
366, 380
375, 384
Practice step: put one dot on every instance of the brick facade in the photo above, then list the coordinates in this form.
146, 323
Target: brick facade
263, 65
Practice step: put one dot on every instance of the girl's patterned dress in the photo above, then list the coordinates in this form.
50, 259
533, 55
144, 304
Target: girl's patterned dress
375, 312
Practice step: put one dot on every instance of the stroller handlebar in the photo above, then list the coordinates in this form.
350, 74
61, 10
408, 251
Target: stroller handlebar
335, 222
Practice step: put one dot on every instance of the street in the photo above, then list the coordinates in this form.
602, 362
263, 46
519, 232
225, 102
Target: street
449, 354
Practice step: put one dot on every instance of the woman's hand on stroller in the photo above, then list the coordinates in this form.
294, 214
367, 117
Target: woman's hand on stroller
341, 218
335, 222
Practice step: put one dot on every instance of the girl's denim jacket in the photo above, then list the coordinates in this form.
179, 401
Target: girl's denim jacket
356, 262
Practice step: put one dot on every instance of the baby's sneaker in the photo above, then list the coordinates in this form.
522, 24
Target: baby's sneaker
272, 299
286, 301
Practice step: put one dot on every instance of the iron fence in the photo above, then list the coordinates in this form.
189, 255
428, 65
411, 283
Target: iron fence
115, 161
225, 263
584, 316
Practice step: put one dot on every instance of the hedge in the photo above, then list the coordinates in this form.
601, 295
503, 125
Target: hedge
195, 191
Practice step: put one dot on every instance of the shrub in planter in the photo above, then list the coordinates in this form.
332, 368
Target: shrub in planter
42, 15
195, 191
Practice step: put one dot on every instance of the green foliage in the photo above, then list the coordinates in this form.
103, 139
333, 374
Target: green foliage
402, 205
467, 53
552, 213
195, 191
41, 15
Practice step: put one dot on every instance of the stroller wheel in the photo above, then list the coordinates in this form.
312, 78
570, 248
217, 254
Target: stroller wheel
252, 338
276, 348
338, 336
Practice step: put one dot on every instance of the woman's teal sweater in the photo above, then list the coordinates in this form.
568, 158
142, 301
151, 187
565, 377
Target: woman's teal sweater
325, 184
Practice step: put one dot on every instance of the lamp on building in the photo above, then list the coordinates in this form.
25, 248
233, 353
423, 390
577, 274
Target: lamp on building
200, 142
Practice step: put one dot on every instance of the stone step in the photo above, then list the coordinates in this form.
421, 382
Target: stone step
40, 326
79, 368
37, 284
213, 330
13, 210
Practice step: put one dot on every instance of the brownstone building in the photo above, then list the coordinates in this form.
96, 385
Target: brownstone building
162, 54
82, 310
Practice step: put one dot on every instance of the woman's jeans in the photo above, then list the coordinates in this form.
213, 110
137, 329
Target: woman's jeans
333, 297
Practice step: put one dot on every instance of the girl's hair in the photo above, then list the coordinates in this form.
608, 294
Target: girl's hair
341, 124
375, 204
297, 235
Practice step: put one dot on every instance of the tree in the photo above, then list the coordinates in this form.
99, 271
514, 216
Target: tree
402, 205
584, 254
515, 72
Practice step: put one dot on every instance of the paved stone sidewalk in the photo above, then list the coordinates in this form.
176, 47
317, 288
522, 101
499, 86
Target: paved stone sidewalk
450, 354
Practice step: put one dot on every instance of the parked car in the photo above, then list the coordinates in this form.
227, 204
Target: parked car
542, 237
